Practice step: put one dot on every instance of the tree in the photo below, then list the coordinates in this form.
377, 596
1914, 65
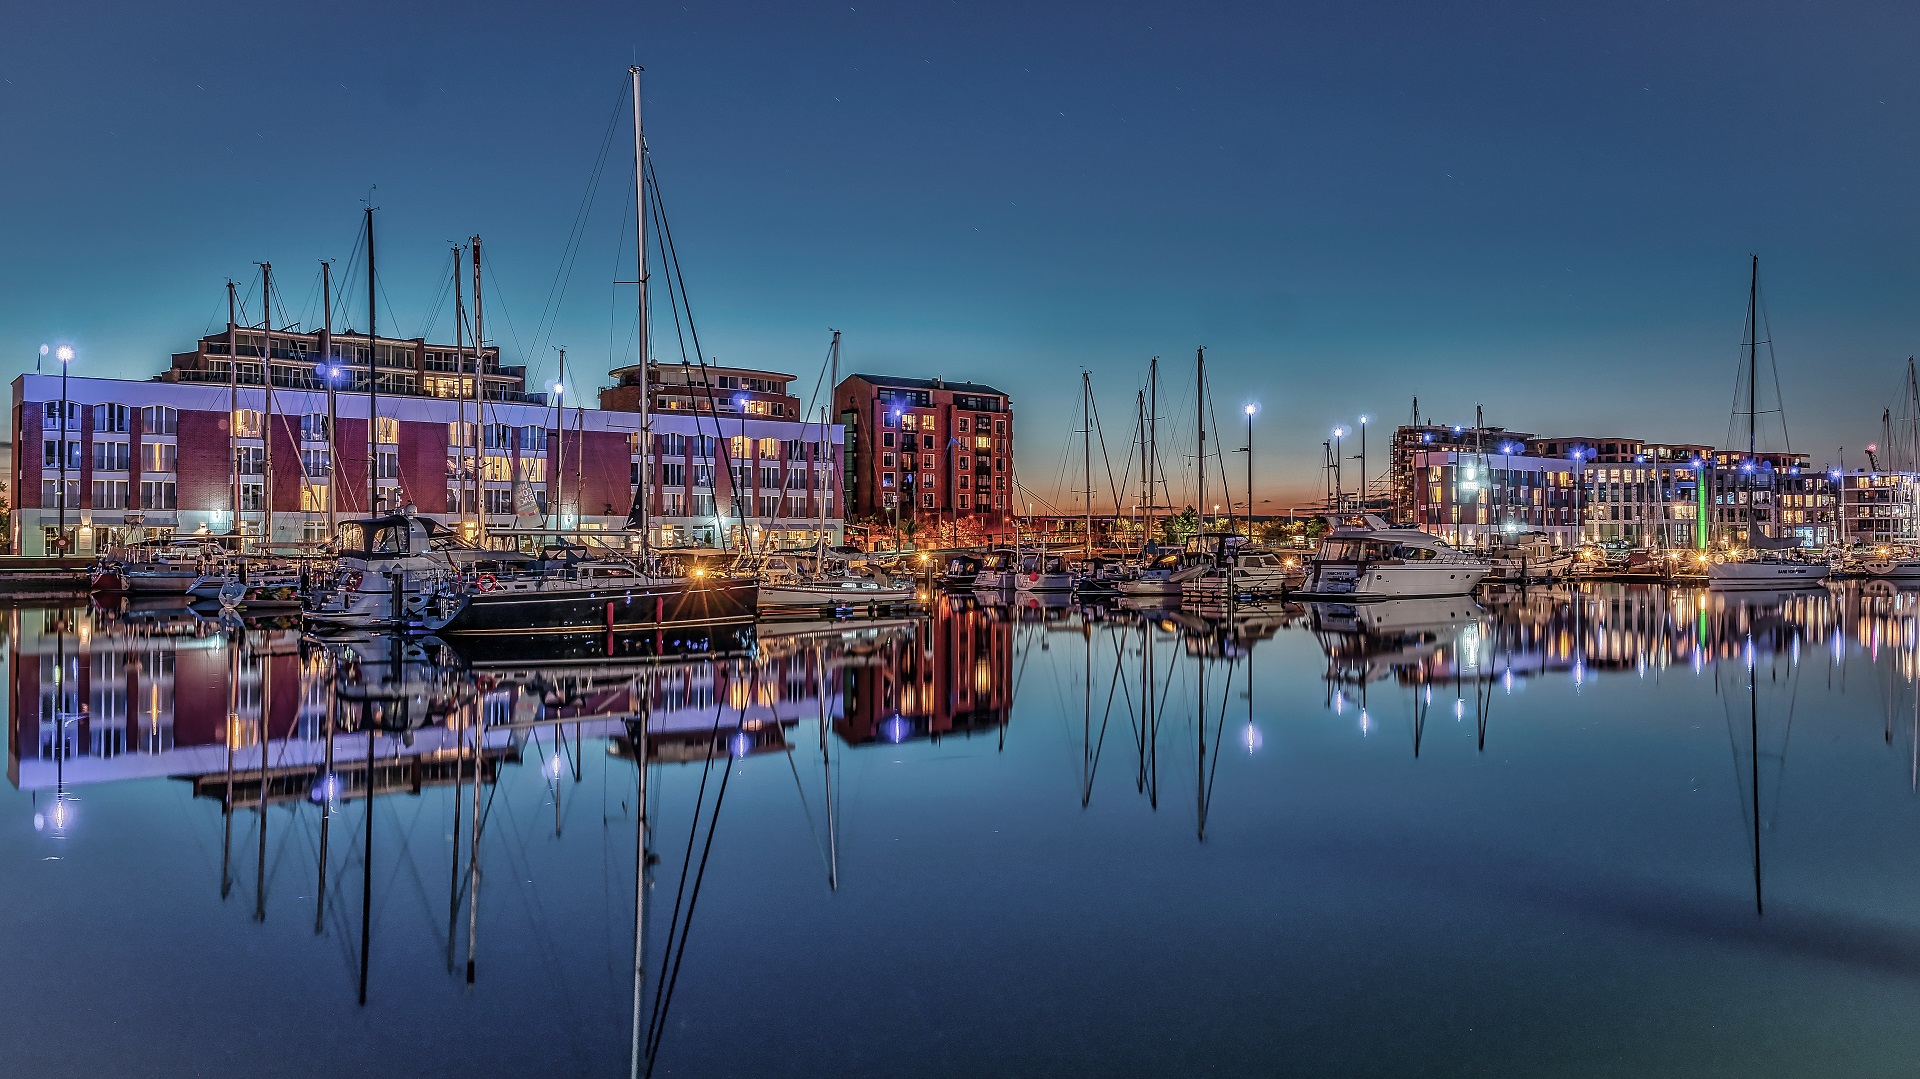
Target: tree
1180, 528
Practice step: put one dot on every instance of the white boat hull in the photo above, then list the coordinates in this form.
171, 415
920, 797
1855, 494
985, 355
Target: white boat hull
1406, 581
1044, 582
1765, 575
1900, 569
833, 594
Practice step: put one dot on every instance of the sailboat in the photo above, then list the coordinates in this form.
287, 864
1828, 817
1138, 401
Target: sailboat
1766, 565
615, 593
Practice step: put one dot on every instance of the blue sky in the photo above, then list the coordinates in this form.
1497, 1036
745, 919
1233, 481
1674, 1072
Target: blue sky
1544, 209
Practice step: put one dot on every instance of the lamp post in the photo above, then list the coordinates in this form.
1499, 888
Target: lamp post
1579, 523
1363, 464
1250, 410
1339, 488
65, 355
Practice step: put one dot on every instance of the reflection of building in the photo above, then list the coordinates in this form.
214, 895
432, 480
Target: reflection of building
953, 675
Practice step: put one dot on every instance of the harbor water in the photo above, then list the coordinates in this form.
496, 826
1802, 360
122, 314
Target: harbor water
1593, 830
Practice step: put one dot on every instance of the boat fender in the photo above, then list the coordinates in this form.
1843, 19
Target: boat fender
485, 582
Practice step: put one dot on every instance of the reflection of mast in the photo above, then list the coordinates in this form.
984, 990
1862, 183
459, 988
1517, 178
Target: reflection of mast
233, 728
1148, 781
266, 711
1753, 726
366, 864
326, 802
453, 874
826, 768
637, 734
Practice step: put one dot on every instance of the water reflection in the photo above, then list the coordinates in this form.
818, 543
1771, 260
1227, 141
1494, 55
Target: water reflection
290, 743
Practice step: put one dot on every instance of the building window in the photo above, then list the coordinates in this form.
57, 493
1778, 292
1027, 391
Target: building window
110, 419
50, 453
313, 428
926, 500
533, 469
886, 420
156, 494
317, 464
963, 501
388, 467
111, 456
673, 445
247, 423
109, 494
247, 461
999, 427
50, 494
533, 439
886, 479
253, 496
886, 459
314, 497
770, 447
158, 456
386, 429
158, 420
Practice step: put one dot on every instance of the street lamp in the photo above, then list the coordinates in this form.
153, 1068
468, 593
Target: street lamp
1363, 464
1250, 410
1579, 481
65, 355
1339, 488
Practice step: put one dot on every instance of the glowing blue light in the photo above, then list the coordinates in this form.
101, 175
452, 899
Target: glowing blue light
1252, 738
740, 744
896, 730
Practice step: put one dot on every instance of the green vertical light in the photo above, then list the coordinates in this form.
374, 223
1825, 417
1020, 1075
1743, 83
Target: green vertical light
1700, 497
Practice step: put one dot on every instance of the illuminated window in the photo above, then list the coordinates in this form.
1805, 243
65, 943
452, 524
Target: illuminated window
246, 423
533, 469
387, 430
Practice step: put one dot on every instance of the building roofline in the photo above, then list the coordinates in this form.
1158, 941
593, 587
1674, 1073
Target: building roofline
902, 382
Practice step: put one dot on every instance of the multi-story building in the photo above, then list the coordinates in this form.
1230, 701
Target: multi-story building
1412, 439
1470, 499
1779, 494
739, 391
406, 367
935, 453
197, 455
1878, 507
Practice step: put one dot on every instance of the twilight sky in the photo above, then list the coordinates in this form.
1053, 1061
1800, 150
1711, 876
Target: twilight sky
1546, 209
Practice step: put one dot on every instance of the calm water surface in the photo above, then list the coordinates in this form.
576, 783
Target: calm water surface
1607, 832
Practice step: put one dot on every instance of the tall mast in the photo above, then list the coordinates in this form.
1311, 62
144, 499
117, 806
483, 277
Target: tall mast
1200, 418
1753, 383
233, 409
460, 403
373, 380
640, 335
479, 393
826, 450
1146, 484
559, 479
1153, 436
1086, 456
333, 418
266, 389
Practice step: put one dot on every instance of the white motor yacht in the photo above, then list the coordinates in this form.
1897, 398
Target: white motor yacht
420, 552
1244, 573
996, 572
1163, 575
1041, 571
1363, 558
